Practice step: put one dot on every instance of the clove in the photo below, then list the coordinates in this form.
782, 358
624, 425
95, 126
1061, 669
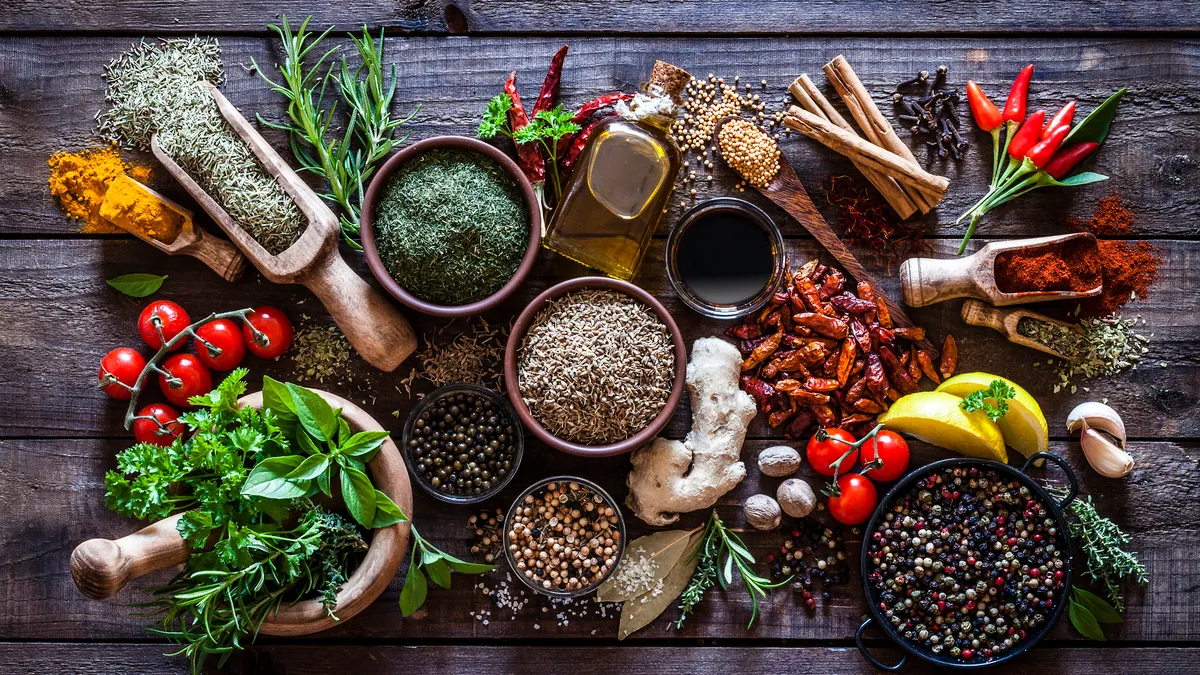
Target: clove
933, 113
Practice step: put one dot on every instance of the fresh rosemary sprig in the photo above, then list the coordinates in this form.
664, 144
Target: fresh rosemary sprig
1102, 541
346, 162
719, 543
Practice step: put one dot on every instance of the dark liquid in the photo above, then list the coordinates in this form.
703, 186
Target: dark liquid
724, 258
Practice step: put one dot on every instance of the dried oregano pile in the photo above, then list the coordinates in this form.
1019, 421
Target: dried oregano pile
158, 88
596, 366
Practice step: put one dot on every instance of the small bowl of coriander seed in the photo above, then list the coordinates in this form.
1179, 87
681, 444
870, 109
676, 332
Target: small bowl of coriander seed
463, 443
563, 536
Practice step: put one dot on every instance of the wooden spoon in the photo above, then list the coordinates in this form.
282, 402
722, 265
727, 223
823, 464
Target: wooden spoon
223, 257
1005, 321
925, 281
376, 329
789, 194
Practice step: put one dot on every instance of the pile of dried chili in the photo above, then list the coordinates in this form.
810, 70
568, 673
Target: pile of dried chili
820, 354
1075, 265
867, 220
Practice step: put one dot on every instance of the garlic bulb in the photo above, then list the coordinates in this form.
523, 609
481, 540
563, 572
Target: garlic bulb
1098, 415
1105, 457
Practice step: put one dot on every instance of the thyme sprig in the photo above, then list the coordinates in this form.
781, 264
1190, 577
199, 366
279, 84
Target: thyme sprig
1102, 542
721, 550
346, 162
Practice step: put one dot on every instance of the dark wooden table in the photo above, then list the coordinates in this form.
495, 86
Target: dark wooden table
57, 317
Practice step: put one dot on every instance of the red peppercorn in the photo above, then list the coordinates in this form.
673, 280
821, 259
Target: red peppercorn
968, 653
1035, 573
1058, 575
770, 557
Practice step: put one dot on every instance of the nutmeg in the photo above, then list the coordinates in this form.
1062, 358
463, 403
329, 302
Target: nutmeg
762, 512
778, 461
796, 498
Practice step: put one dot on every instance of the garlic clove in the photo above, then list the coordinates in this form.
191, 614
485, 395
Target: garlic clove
1098, 415
1105, 457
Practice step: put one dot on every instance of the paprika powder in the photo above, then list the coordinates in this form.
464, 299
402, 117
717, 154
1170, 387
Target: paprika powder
1075, 265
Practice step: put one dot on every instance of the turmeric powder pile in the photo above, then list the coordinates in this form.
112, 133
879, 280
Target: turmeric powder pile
128, 205
80, 179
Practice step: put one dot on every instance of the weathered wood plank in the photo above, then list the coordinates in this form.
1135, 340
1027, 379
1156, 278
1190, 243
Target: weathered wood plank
50, 88
600, 16
60, 319
52, 493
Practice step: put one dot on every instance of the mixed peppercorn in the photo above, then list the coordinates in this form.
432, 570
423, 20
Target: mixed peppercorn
967, 565
463, 444
813, 551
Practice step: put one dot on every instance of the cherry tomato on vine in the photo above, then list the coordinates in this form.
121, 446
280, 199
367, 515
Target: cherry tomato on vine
169, 316
272, 323
121, 365
856, 500
189, 378
223, 335
823, 453
164, 431
890, 449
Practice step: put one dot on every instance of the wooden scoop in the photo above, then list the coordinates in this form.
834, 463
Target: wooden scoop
789, 194
925, 281
223, 257
1005, 321
376, 329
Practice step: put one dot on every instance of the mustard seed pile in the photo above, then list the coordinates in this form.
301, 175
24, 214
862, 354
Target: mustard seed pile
564, 537
596, 366
750, 151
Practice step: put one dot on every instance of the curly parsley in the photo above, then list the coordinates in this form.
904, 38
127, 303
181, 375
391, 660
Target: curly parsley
993, 401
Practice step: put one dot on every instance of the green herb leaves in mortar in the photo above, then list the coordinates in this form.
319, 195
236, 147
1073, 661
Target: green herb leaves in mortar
451, 226
137, 285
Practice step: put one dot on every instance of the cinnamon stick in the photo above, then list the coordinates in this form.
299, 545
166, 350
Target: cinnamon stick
874, 125
928, 186
814, 101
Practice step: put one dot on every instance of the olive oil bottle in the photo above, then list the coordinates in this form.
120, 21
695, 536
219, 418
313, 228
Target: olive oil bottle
622, 180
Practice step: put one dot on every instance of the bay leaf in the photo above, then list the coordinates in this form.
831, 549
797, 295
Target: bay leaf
639, 612
661, 549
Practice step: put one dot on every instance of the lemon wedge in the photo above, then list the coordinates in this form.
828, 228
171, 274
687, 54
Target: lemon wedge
1024, 427
934, 417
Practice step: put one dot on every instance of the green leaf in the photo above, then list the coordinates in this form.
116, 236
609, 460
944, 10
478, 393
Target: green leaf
439, 573
269, 479
412, 596
364, 444
314, 413
344, 432
359, 495
323, 483
464, 567
386, 512
1094, 127
277, 398
1098, 606
1084, 622
495, 117
1082, 178
312, 467
137, 285
993, 401
547, 126
306, 443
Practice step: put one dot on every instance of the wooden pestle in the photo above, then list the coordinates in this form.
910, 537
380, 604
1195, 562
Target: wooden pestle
102, 567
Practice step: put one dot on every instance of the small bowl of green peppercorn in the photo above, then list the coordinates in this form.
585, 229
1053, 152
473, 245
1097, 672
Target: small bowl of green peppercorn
463, 443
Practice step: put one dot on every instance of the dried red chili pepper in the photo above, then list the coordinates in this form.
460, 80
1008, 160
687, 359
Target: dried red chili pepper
882, 335
949, 357
925, 360
778, 417
833, 284
548, 96
744, 331
825, 325
868, 406
808, 291
808, 397
762, 351
896, 371
821, 384
883, 314
587, 109
847, 302
747, 346
913, 333
856, 390
867, 293
914, 368
876, 379
825, 414
861, 335
846, 360
760, 390
528, 155
855, 420
800, 425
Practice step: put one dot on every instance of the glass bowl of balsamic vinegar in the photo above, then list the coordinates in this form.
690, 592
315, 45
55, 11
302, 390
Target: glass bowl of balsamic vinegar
725, 258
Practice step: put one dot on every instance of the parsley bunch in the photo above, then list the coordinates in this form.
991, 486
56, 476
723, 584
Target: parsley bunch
546, 129
993, 401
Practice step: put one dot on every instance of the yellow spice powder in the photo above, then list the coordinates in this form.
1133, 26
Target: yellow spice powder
80, 179
129, 206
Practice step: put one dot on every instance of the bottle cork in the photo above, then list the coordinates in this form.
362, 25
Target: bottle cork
672, 79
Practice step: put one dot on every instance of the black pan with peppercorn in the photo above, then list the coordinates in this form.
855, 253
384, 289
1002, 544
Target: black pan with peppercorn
966, 563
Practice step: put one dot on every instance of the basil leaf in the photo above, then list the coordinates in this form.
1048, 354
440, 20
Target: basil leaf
430, 556
323, 483
465, 567
1084, 622
364, 444
1095, 126
269, 479
359, 495
386, 512
317, 416
306, 443
343, 431
277, 398
1098, 606
439, 573
312, 467
412, 596
137, 285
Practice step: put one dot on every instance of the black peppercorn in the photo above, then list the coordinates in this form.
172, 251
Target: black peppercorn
456, 454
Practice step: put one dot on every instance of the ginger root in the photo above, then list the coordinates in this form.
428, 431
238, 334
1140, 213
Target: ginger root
672, 477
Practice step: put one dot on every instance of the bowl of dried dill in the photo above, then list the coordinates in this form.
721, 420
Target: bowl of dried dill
450, 226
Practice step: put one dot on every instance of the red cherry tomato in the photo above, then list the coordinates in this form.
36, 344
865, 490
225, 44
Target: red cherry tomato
275, 332
121, 365
224, 336
167, 315
189, 378
164, 432
823, 453
856, 501
890, 449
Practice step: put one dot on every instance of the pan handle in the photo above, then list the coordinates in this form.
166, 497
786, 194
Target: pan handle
862, 649
1073, 491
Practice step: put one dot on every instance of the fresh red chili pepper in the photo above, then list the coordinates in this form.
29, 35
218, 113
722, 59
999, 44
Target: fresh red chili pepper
1014, 107
1027, 136
528, 154
987, 115
1044, 150
548, 96
1066, 159
1062, 118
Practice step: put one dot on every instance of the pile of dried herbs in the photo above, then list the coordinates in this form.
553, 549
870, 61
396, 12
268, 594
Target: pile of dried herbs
451, 227
1102, 347
474, 356
320, 353
868, 221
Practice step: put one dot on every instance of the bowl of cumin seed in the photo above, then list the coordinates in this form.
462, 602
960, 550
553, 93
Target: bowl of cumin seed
595, 367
